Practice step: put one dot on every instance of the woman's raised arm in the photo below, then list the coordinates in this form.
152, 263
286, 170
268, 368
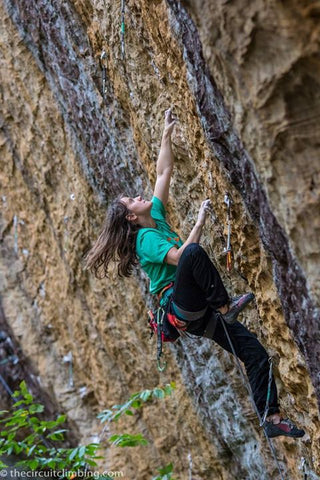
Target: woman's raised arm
165, 160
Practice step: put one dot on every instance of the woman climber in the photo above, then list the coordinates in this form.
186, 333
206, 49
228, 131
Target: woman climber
136, 232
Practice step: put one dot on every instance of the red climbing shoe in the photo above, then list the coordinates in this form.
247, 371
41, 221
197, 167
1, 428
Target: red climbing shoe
236, 306
285, 427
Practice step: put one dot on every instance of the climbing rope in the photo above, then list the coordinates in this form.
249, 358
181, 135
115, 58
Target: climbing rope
263, 421
228, 250
248, 386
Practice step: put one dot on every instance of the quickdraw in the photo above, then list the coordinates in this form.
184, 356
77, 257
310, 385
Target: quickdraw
122, 31
103, 67
228, 249
160, 315
156, 325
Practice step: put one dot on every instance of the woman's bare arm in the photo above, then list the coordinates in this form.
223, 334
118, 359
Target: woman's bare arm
174, 253
165, 160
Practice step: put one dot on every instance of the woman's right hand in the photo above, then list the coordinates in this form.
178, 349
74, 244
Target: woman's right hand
204, 210
169, 122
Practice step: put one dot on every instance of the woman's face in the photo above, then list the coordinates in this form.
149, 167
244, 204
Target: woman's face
137, 205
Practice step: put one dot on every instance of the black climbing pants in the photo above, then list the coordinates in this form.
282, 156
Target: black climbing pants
198, 284
197, 281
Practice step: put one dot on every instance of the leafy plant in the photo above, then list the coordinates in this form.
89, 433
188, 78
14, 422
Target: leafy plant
165, 473
37, 445
128, 440
135, 402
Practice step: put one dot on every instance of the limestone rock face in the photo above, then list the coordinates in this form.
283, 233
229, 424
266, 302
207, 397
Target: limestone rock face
76, 130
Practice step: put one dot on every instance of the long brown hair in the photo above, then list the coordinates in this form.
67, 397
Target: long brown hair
115, 243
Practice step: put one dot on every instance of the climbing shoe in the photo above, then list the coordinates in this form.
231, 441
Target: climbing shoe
236, 306
285, 427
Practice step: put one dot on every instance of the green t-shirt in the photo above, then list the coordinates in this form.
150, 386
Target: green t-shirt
152, 246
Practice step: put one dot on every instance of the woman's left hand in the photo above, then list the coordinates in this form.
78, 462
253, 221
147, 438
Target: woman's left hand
204, 210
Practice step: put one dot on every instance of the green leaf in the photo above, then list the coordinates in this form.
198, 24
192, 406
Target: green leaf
92, 463
31, 450
33, 464
94, 446
42, 449
11, 436
23, 388
30, 439
34, 421
17, 404
165, 470
168, 389
61, 419
82, 451
136, 404
165, 473
10, 449
17, 448
158, 393
73, 453
57, 435
145, 395
35, 408
28, 398
127, 440
128, 412
50, 424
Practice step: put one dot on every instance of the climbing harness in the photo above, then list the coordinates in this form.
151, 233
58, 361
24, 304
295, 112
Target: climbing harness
228, 250
122, 31
103, 57
162, 329
248, 387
